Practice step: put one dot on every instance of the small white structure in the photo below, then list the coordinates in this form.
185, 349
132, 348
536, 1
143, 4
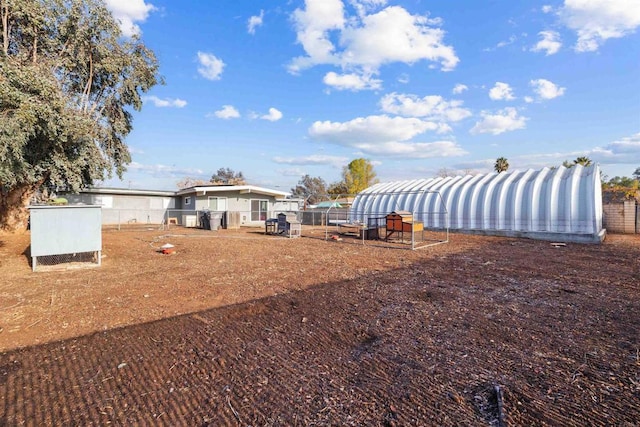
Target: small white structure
563, 204
65, 234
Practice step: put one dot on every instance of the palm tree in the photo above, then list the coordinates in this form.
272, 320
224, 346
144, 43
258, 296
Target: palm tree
582, 160
502, 164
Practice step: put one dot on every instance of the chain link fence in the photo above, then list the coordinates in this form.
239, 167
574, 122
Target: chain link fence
413, 231
65, 261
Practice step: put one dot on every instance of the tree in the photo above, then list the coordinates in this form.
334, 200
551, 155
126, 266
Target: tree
445, 173
636, 174
501, 165
582, 160
622, 182
358, 175
187, 182
228, 176
338, 188
67, 82
622, 187
312, 189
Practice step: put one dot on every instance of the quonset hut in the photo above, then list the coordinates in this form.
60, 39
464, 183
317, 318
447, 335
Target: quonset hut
560, 204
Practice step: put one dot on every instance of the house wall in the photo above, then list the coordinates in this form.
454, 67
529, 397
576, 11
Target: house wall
125, 208
240, 203
620, 217
188, 202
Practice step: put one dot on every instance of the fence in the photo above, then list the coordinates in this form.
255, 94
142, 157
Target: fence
375, 228
623, 217
132, 218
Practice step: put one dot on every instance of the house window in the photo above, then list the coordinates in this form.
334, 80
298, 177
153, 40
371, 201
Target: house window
218, 204
259, 209
187, 201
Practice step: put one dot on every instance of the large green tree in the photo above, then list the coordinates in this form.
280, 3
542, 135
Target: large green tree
68, 83
358, 175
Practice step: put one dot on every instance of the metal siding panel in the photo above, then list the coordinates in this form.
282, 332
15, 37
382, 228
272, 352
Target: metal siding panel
544, 201
65, 230
475, 208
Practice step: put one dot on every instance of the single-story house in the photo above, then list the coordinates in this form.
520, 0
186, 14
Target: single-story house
253, 204
228, 205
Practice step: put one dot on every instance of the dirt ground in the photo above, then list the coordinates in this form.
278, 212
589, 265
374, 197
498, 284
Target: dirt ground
239, 328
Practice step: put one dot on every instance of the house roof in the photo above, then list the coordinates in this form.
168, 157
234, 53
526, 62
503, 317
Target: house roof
328, 204
199, 189
242, 189
127, 192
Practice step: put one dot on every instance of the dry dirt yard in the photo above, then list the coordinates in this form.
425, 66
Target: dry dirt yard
239, 328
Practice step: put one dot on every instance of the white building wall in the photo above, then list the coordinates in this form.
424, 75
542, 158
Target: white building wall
544, 202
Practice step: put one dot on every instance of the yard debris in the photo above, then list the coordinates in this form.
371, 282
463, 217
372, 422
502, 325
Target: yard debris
122, 365
558, 244
167, 249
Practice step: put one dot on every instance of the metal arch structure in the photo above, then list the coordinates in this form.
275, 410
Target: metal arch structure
559, 204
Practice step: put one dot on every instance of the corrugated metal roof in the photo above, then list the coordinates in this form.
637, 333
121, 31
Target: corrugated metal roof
559, 200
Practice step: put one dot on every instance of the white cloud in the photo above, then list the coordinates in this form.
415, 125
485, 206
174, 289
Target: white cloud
501, 44
364, 6
163, 170
431, 107
254, 22
528, 99
361, 44
549, 43
504, 121
354, 82
394, 35
134, 150
384, 135
291, 172
404, 78
597, 21
273, 116
547, 8
545, 89
167, 102
414, 150
371, 129
210, 66
624, 151
128, 12
459, 88
313, 25
501, 91
227, 112
312, 160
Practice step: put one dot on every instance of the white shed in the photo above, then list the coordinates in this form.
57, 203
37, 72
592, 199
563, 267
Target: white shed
562, 204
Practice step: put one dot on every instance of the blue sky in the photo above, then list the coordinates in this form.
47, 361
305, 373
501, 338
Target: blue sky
280, 89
